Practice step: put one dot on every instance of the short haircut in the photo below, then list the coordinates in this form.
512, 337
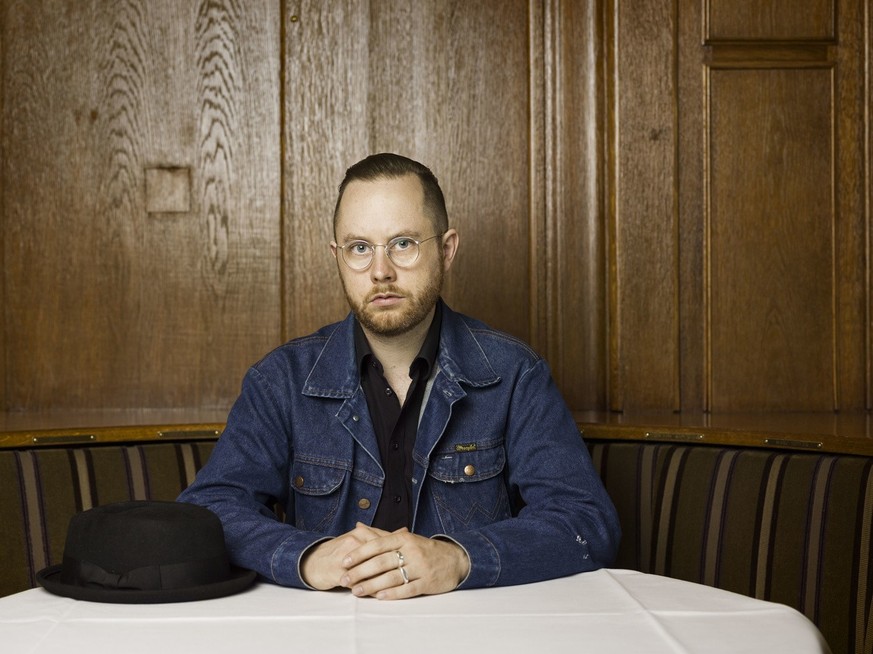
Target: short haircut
387, 165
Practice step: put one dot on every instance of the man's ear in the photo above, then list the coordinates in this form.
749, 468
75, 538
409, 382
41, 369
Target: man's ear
333, 248
450, 247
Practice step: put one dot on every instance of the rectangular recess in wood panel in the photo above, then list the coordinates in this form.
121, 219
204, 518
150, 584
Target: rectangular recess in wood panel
769, 20
770, 240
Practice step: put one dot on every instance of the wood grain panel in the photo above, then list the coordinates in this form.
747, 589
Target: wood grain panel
575, 258
326, 130
4, 343
691, 166
644, 336
771, 240
770, 20
108, 306
852, 177
469, 118
404, 77
866, 190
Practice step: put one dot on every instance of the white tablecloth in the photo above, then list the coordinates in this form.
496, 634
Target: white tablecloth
606, 611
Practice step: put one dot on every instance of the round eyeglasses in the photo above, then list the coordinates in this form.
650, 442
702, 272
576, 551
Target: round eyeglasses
402, 250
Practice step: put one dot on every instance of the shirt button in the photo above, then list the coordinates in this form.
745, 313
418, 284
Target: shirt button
469, 470
397, 499
298, 481
395, 445
387, 391
363, 503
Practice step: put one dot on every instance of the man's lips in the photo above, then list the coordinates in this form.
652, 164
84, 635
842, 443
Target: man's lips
385, 299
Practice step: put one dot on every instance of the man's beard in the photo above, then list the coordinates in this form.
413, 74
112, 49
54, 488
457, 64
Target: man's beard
394, 322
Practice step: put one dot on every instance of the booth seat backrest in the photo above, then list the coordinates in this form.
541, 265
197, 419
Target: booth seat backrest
789, 527
42, 488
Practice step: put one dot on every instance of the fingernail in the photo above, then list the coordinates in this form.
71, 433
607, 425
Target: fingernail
358, 590
347, 560
345, 581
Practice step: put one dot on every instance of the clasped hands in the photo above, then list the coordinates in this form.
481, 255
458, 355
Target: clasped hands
365, 560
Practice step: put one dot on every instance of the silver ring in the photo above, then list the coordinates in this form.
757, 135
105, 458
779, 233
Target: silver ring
400, 563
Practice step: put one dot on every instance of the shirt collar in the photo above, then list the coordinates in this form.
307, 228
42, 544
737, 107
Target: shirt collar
426, 355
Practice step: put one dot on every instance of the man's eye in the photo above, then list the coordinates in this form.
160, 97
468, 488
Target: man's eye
401, 244
359, 248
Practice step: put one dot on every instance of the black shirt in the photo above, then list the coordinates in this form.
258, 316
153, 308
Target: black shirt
396, 427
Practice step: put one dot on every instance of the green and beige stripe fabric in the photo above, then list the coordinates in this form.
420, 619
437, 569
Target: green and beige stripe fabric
795, 528
789, 527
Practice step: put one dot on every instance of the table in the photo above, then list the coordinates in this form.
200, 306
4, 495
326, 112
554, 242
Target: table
605, 611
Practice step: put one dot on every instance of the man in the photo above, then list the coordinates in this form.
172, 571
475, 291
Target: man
413, 450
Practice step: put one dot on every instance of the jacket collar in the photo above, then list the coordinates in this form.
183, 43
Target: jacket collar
461, 358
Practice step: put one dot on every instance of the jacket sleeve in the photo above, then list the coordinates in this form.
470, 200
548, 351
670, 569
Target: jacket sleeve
568, 523
245, 475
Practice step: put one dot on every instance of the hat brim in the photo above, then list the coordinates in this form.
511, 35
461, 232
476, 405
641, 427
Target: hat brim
239, 580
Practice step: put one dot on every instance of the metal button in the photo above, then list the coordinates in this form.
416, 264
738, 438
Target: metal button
363, 503
469, 470
355, 418
298, 481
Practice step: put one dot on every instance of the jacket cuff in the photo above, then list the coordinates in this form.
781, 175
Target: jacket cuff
484, 559
285, 562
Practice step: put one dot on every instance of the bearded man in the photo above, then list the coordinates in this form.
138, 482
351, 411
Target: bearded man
413, 450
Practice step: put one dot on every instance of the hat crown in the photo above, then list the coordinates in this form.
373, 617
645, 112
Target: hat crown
128, 535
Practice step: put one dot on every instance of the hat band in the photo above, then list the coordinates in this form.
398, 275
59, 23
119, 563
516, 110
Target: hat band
150, 577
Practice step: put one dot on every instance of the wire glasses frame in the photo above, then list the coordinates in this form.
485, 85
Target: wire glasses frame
403, 251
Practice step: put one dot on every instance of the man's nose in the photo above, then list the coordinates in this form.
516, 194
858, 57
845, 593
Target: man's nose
382, 268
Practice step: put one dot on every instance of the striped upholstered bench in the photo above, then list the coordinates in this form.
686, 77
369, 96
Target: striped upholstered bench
43, 485
789, 527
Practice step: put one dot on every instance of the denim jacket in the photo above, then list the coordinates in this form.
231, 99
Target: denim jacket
499, 465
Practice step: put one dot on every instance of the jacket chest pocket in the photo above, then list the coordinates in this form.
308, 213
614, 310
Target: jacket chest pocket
318, 492
467, 487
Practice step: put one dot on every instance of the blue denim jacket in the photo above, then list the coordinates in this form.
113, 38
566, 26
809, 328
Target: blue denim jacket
499, 465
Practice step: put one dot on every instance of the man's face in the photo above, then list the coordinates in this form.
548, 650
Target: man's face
386, 299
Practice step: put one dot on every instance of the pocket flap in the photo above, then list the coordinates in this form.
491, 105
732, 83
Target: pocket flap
310, 478
463, 467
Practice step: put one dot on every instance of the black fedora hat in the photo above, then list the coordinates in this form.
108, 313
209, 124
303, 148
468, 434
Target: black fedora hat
145, 552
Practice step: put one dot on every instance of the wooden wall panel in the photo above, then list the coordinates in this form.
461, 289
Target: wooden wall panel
4, 341
864, 119
787, 272
385, 76
326, 129
623, 202
573, 295
108, 305
771, 20
644, 320
690, 71
771, 240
